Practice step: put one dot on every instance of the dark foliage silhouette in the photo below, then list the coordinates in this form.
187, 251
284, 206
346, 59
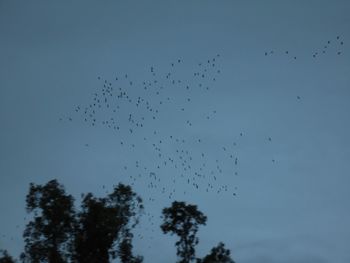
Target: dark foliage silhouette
183, 220
125, 250
104, 222
101, 231
218, 255
6, 258
47, 236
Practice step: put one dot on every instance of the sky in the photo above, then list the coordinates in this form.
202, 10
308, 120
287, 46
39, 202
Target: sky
250, 101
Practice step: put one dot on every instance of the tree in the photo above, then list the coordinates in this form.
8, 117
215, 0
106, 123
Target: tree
183, 220
125, 250
102, 229
47, 236
105, 222
6, 258
218, 255
99, 231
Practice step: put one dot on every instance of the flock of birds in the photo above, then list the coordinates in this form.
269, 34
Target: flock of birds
137, 112
173, 161
159, 118
140, 113
330, 46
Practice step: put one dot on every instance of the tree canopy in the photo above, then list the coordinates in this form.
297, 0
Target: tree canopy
47, 235
101, 230
5, 257
183, 220
104, 222
218, 255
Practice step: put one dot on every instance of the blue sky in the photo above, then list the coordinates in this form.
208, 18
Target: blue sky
291, 202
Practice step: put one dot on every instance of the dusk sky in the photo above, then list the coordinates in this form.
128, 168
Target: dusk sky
239, 107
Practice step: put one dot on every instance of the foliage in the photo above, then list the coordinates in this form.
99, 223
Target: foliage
183, 220
6, 258
101, 230
218, 255
47, 236
105, 221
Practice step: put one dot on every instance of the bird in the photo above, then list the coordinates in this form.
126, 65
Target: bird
133, 111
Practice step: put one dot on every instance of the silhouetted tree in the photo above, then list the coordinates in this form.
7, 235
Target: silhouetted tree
183, 220
218, 255
47, 235
5, 257
125, 250
102, 230
104, 225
